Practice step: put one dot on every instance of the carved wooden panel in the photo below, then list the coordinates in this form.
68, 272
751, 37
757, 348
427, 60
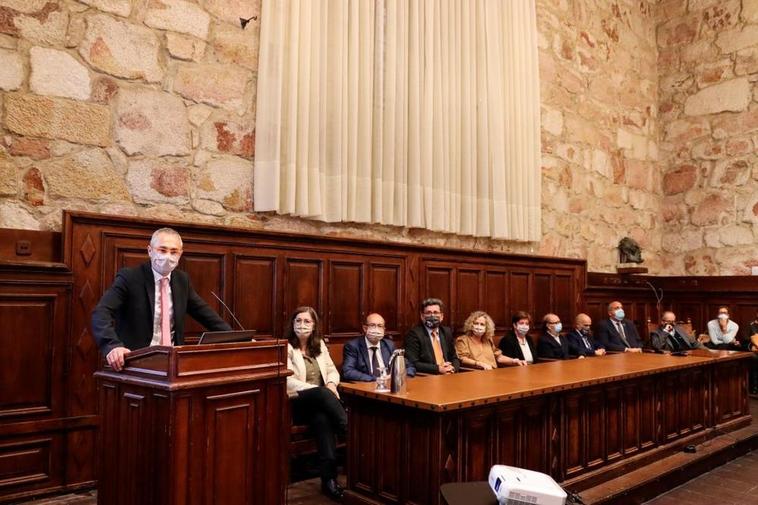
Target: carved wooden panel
206, 273
519, 292
255, 293
469, 296
542, 296
29, 462
564, 296
508, 435
439, 284
614, 419
477, 451
386, 293
495, 298
303, 284
346, 284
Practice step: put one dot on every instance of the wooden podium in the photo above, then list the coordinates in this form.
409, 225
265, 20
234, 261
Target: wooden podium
195, 424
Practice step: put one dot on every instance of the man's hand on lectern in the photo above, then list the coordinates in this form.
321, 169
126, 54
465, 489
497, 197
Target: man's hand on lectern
115, 358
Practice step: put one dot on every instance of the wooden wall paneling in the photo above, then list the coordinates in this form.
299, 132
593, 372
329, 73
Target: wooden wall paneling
495, 301
347, 298
254, 282
477, 451
632, 420
614, 418
594, 427
564, 297
508, 435
648, 413
542, 296
535, 435
469, 296
420, 468
386, 293
439, 282
206, 270
304, 285
575, 438
520, 292
30, 462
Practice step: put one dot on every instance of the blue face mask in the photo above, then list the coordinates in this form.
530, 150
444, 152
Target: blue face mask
619, 314
558, 327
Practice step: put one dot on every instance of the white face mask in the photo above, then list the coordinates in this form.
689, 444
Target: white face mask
523, 329
302, 330
164, 264
374, 335
723, 316
478, 329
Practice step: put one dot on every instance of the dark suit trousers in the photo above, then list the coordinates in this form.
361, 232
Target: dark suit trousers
324, 414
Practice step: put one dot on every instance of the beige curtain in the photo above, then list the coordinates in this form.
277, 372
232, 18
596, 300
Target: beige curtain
418, 113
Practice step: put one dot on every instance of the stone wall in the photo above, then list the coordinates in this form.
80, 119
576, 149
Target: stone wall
708, 66
147, 108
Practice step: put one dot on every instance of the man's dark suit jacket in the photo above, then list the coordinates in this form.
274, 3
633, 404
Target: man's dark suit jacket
124, 315
419, 351
661, 340
609, 336
355, 360
547, 347
511, 348
577, 346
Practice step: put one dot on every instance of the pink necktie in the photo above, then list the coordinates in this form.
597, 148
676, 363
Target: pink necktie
165, 321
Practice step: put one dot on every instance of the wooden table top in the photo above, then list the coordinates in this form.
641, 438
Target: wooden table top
463, 390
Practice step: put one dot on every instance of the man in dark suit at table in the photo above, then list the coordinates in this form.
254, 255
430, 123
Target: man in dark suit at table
364, 356
429, 346
580, 339
617, 333
671, 337
146, 304
551, 344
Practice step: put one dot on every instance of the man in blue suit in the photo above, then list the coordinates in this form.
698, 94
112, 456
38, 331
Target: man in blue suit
364, 356
617, 333
581, 342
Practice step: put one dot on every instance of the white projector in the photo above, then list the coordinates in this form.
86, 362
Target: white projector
517, 486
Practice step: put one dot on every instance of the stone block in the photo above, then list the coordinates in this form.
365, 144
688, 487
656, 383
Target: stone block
184, 47
58, 118
750, 11
734, 235
214, 84
232, 10
699, 51
57, 73
733, 40
36, 149
638, 174
747, 61
38, 22
713, 209
34, 187
679, 30
682, 179
721, 17
235, 45
552, 121
730, 172
11, 70
686, 130
228, 181
228, 137
734, 95
8, 182
151, 122
121, 49
178, 16
119, 7
739, 146
104, 89
730, 125
15, 215
87, 175
714, 72
708, 150
158, 181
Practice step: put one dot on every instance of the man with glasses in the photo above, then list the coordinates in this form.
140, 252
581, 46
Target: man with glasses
429, 346
146, 304
364, 357
551, 344
580, 339
671, 337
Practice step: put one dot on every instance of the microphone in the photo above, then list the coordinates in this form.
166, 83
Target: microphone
230, 310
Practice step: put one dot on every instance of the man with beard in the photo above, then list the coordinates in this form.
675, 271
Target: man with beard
429, 346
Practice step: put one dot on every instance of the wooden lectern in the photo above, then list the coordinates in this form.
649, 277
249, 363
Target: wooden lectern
195, 424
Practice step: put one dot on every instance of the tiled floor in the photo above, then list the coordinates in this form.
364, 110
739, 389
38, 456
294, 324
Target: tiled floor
735, 483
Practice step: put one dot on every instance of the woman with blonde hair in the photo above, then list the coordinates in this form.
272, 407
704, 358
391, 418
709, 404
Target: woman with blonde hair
475, 347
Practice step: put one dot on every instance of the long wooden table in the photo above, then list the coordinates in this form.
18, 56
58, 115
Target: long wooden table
581, 421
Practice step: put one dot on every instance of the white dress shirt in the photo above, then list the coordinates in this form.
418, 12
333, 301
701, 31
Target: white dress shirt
525, 350
157, 309
719, 337
378, 346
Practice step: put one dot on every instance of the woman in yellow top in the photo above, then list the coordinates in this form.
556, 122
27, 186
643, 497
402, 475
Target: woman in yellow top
475, 347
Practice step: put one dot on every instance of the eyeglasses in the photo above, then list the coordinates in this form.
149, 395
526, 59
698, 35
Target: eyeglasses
374, 326
435, 313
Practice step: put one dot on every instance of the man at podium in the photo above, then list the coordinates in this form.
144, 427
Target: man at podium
146, 304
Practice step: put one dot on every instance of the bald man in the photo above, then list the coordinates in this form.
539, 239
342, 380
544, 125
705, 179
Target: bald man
618, 333
364, 356
580, 339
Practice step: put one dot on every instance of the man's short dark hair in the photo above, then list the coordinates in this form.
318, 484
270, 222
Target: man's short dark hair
428, 302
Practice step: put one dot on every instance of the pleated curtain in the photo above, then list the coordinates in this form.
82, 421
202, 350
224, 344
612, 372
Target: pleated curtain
415, 113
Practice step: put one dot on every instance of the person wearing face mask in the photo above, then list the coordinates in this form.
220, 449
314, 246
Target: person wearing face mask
146, 304
518, 344
364, 356
312, 389
723, 331
429, 345
580, 339
617, 333
671, 337
476, 349
551, 344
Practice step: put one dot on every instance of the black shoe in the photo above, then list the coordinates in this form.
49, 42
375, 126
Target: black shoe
331, 489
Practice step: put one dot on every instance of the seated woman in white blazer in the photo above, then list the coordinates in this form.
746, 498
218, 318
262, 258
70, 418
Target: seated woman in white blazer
312, 389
